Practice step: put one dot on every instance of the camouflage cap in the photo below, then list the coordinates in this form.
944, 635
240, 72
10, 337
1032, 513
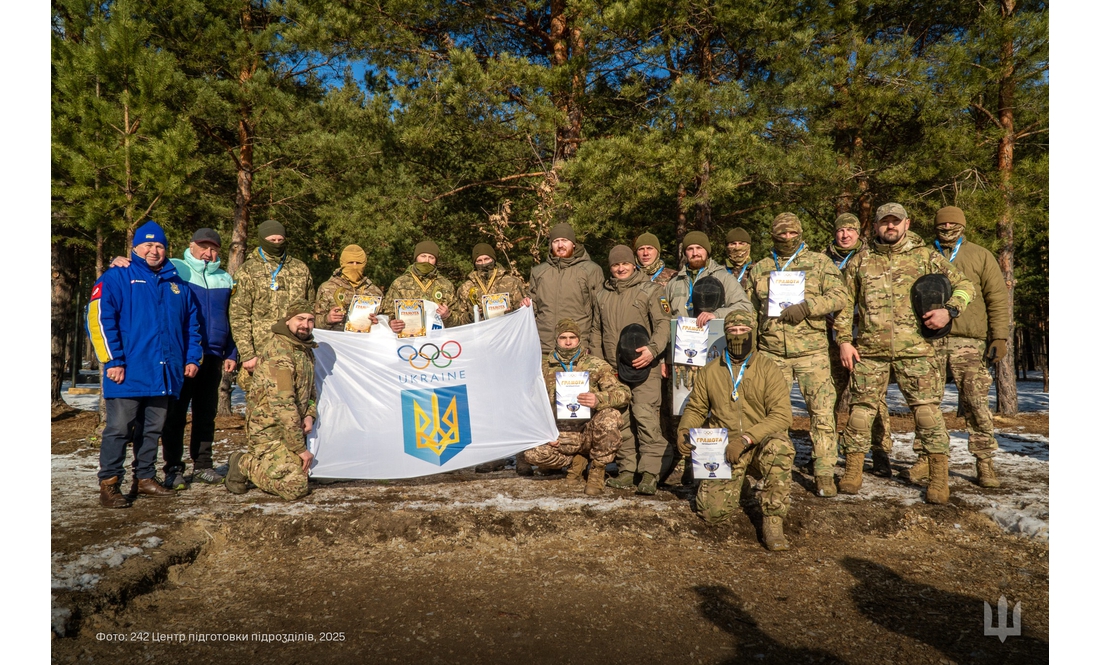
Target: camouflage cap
950, 215
738, 235
890, 210
784, 222
846, 221
297, 307
567, 325
740, 317
647, 239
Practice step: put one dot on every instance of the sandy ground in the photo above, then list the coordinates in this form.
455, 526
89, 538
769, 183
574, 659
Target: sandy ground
491, 568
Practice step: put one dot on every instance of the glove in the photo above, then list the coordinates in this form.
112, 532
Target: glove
997, 350
734, 449
795, 314
683, 443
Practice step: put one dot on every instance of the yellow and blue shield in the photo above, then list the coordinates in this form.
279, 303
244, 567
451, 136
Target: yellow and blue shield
436, 423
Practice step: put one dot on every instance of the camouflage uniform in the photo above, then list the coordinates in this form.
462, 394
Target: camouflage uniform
280, 396
964, 349
338, 292
255, 306
763, 413
598, 439
477, 285
801, 351
657, 273
879, 283
881, 438
434, 287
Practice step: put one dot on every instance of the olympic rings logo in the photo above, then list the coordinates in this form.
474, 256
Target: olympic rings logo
430, 354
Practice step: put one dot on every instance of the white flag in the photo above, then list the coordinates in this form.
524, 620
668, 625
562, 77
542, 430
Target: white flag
400, 408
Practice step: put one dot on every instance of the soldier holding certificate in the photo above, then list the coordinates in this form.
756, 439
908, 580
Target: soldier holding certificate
488, 288
593, 435
746, 394
422, 281
335, 296
795, 290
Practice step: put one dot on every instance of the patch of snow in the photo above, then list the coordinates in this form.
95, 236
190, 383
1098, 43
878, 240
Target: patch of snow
59, 618
91, 402
548, 503
151, 542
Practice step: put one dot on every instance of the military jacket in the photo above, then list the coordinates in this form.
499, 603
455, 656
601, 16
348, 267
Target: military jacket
762, 407
602, 382
566, 289
469, 294
825, 294
338, 292
841, 258
434, 287
678, 288
263, 294
282, 393
633, 300
879, 283
987, 317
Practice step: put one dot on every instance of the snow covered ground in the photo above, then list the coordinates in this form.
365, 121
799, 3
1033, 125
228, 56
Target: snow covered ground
91, 402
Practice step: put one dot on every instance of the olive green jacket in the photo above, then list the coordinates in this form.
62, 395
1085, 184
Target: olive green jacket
626, 301
338, 292
987, 317
566, 289
762, 407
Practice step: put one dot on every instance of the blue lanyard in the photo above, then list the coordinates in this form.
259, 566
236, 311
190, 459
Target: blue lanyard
776, 257
691, 289
571, 361
743, 269
845, 261
954, 252
657, 272
274, 286
740, 375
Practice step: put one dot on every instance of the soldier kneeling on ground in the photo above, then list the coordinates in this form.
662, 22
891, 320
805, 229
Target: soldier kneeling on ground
596, 440
745, 393
281, 408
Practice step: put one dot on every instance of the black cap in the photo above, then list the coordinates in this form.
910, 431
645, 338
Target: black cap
207, 235
631, 338
930, 292
708, 295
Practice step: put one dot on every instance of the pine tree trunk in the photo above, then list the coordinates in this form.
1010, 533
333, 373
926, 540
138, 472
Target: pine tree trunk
1007, 399
63, 285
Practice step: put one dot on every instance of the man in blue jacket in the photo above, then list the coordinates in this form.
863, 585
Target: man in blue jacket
143, 323
211, 286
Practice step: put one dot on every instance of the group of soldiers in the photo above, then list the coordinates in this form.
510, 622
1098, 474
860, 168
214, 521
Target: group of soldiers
852, 331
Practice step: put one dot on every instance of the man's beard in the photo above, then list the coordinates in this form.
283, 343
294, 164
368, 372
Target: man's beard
697, 263
563, 253
303, 334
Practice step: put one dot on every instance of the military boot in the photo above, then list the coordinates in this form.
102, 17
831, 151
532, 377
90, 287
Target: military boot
774, 539
918, 473
880, 464
523, 467
987, 477
648, 484
109, 494
235, 480
853, 473
575, 475
595, 480
150, 487
623, 481
938, 489
825, 485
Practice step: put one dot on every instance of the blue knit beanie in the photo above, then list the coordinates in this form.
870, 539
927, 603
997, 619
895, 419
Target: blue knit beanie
150, 232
